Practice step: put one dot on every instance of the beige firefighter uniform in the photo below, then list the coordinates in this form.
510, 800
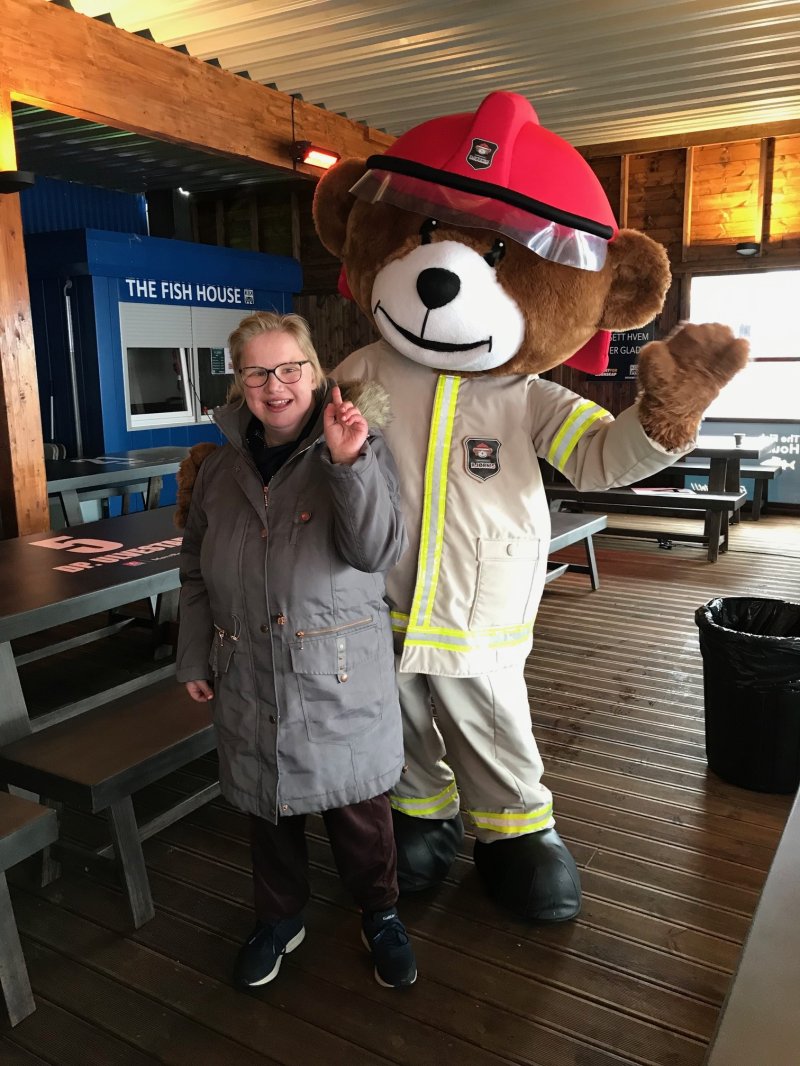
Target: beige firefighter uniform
464, 596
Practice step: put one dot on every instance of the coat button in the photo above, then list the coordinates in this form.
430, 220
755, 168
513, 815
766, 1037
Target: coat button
284, 806
272, 719
343, 677
264, 627
305, 516
263, 533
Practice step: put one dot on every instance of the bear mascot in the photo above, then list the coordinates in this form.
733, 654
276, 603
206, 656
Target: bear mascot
484, 250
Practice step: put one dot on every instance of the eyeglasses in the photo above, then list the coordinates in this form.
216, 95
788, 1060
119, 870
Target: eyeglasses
286, 373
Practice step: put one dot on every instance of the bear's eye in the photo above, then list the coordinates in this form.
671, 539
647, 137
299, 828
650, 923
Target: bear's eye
495, 253
426, 229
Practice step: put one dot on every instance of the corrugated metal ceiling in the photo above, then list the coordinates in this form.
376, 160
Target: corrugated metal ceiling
596, 70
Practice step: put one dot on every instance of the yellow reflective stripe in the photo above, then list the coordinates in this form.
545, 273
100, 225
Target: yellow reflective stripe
501, 822
579, 432
434, 497
584, 415
463, 640
467, 641
585, 406
427, 804
445, 645
445, 447
426, 505
476, 634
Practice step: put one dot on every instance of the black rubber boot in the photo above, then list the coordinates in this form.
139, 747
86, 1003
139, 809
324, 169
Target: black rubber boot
533, 876
426, 848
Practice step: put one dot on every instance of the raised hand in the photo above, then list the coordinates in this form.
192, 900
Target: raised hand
345, 428
681, 375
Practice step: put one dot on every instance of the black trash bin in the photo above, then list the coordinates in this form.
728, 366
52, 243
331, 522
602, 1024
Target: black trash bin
751, 681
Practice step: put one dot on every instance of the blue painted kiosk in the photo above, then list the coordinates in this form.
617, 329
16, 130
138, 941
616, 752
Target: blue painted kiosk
131, 333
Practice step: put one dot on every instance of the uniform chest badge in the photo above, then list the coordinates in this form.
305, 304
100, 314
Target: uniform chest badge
482, 457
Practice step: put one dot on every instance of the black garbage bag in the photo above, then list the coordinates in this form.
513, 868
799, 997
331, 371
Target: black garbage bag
751, 682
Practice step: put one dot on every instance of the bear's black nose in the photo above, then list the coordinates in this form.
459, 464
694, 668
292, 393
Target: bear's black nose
437, 287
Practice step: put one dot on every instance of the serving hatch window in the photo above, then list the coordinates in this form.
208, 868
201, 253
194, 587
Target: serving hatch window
157, 385
176, 363
759, 306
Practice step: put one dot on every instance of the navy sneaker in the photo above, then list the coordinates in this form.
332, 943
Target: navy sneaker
386, 938
260, 956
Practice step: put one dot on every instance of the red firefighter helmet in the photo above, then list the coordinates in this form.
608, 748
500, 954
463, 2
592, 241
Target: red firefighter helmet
499, 169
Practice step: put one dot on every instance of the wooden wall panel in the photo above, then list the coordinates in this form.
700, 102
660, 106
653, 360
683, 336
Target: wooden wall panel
725, 194
609, 173
784, 207
337, 326
655, 197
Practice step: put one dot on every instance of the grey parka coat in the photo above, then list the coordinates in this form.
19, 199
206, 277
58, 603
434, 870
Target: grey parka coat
282, 607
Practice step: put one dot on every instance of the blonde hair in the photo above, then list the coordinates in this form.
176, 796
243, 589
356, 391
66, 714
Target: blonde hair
271, 322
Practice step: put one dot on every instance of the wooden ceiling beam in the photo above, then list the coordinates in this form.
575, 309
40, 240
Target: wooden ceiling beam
67, 62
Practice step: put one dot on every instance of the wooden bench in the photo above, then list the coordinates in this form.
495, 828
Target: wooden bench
25, 828
715, 507
567, 529
97, 760
761, 473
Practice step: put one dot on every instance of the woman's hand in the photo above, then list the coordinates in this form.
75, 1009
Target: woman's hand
345, 429
200, 691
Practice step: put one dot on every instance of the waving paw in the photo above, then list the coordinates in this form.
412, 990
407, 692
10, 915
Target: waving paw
681, 375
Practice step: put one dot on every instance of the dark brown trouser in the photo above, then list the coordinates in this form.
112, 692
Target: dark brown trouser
363, 848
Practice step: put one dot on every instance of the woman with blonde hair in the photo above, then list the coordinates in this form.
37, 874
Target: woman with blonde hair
291, 527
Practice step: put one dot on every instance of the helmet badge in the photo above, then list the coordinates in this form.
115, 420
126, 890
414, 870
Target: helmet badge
481, 153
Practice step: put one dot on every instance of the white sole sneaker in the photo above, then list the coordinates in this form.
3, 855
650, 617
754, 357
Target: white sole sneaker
295, 942
378, 978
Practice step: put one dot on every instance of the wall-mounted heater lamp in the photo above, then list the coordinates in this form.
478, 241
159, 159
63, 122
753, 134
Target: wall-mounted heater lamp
748, 248
16, 180
314, 156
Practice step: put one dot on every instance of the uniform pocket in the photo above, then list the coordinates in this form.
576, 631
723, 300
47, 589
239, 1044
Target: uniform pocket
341, 677
505, 582
223, 647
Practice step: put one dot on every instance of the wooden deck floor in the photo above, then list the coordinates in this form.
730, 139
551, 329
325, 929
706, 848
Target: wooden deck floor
672, 862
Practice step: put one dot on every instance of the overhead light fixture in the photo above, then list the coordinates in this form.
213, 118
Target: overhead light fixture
16, 180
183, 192
748, 248
314, 156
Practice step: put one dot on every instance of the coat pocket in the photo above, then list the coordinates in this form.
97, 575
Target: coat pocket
223, 647
505, 582
342, 678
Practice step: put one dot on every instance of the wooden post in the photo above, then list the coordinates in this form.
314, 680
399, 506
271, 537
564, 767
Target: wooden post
624, 185
23, 486
761, 232
688, 182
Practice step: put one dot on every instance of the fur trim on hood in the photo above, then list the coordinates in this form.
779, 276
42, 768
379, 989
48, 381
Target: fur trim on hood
368, 396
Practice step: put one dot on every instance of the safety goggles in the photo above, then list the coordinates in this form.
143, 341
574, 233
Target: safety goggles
555, 241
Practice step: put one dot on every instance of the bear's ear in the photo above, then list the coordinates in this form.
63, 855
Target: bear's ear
640, 279
333, 202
